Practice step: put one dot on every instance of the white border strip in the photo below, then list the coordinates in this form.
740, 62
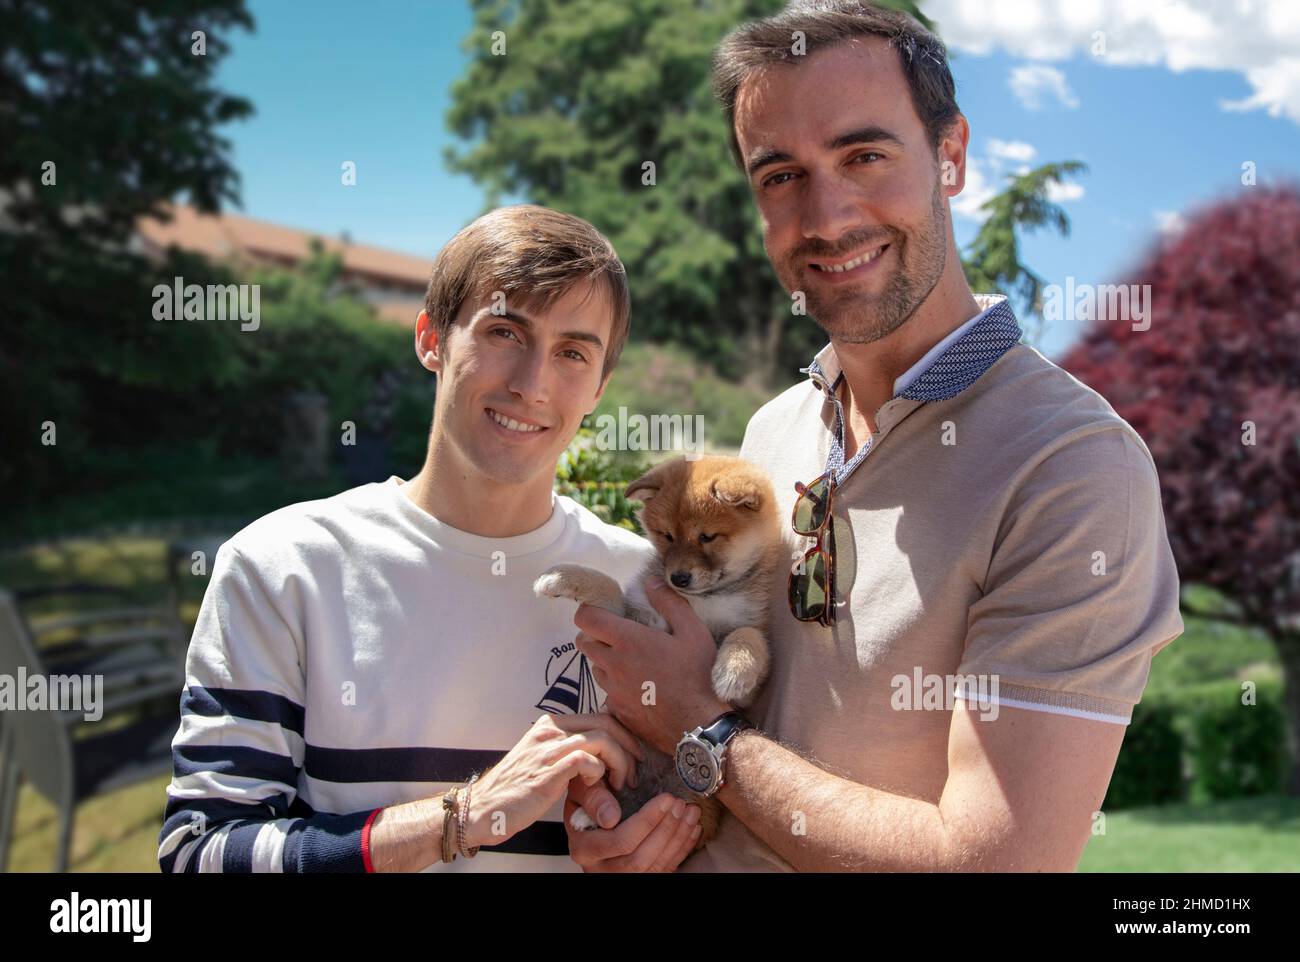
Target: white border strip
1049, 709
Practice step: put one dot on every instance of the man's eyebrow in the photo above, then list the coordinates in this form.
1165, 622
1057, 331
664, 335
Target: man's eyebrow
863, 135
527, 324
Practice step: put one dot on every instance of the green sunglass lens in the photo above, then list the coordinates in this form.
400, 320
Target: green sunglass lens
810, 509
808, 589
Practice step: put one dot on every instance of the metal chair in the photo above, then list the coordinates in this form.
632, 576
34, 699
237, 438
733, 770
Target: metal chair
135, 650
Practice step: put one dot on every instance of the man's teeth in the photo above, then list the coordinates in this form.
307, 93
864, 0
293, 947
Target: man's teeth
512, 424
849, 265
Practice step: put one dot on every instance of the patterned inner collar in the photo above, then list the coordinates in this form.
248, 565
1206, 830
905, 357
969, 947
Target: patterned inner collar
993, 332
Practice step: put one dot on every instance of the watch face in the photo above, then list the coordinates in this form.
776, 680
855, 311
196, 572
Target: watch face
696, 765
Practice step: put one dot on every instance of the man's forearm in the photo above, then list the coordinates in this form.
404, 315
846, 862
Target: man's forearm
819, 822
407, 837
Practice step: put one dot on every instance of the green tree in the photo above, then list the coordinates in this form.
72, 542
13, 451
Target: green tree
992, 261
107, 110
587, 96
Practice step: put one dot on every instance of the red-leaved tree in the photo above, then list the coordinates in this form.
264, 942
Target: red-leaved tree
1213, 387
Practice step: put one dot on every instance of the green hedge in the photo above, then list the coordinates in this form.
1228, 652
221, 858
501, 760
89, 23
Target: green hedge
1149, 770
1236, 750
1200, 743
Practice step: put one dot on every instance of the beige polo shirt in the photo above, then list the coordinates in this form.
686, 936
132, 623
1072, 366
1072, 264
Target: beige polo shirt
1012, 533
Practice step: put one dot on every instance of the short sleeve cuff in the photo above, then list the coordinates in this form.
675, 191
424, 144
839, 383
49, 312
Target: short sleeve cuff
984, 699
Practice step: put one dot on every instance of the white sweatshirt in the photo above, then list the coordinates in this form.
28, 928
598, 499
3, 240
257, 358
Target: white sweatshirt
355, 652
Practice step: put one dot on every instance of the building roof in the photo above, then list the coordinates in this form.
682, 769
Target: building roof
236, 236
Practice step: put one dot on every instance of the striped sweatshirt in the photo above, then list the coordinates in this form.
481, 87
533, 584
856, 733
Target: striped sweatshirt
355, 652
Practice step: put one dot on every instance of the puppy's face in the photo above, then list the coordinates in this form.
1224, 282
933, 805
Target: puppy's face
710, 520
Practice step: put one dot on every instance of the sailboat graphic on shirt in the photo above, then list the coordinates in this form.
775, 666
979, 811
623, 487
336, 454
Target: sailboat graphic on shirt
574, 689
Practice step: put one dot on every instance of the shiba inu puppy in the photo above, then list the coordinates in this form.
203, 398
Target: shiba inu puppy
714, 525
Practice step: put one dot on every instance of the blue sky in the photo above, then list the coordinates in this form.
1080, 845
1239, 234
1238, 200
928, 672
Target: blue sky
371, 84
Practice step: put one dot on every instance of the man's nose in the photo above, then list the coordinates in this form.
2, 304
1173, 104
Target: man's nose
829, 210
529, 380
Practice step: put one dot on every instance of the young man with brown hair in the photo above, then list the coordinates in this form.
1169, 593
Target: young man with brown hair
361, 664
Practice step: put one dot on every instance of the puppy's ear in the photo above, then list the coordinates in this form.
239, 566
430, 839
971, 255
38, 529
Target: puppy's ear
647, 486
737, 491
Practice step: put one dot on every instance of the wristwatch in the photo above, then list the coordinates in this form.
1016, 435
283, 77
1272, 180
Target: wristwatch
702, 754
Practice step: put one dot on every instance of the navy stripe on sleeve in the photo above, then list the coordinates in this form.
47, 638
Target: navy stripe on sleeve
244, 703
238, 853
326, 843
234, 760
217, 811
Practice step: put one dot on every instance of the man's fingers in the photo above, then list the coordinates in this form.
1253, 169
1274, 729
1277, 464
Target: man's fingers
675, 609
592, 848
657, 845
608, 629
580, 764
600, 743
682, 843
596, 653
596, 800
604, 722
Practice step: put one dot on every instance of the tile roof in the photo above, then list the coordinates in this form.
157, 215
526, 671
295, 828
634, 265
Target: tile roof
233, 235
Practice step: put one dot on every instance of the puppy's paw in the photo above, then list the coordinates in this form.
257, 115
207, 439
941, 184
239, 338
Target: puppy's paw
580, 821
734, 686
582, 584
741, 666
557, 582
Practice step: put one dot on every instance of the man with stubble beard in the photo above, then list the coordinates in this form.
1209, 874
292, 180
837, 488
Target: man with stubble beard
982, 570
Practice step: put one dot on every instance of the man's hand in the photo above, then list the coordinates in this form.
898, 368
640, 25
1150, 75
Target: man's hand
625, 655
656, 839
536, 772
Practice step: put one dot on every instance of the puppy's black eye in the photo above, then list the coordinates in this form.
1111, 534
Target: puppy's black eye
706, 538
667, 535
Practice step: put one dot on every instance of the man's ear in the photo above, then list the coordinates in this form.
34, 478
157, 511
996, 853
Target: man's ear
427, 348
952, 157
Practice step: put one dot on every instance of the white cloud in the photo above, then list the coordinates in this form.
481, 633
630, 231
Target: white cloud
975, 193
1063, 193
1259, 39
1031, 83
987, 175
1011, 150
1170, 222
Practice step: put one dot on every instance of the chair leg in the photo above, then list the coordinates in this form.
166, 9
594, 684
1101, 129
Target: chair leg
67, 812
8, 805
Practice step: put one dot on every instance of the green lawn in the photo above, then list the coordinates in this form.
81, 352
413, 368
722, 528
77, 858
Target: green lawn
1245, 835
113, 833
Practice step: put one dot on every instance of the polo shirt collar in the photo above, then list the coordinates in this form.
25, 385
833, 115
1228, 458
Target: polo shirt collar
948, 368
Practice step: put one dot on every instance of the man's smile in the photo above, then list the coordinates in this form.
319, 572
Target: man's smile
514, 426
836, 271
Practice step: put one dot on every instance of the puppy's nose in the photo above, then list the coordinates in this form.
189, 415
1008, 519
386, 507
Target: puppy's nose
681, 578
